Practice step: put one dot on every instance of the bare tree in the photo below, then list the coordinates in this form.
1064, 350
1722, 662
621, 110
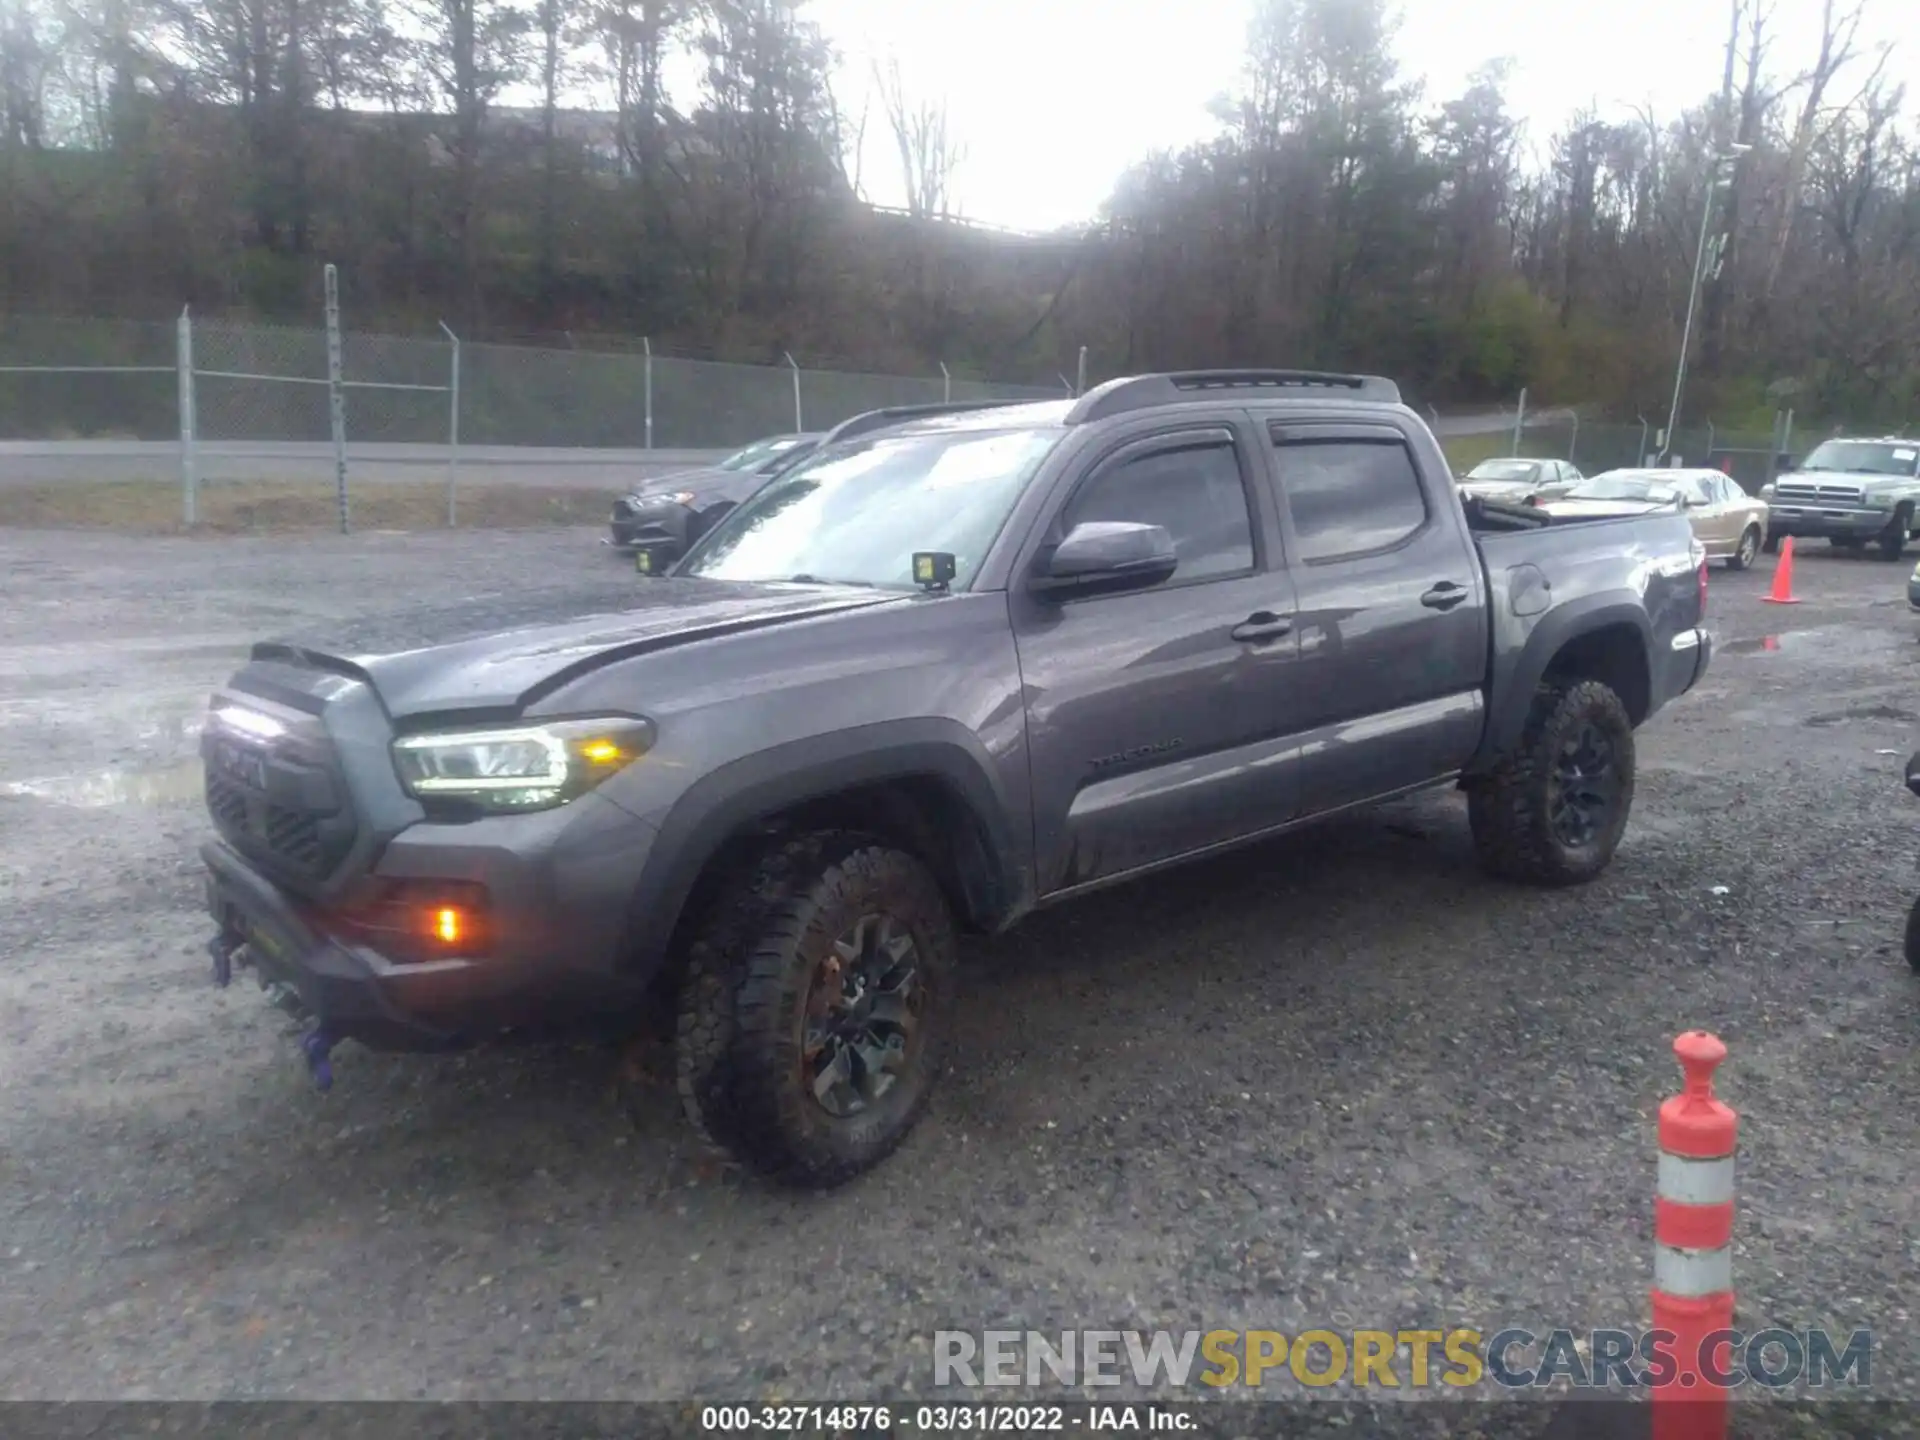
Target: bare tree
929, 152
1839, 32
468, 51
24, 64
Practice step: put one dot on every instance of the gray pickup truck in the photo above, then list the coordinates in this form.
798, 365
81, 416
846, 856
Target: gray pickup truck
1853, 492
946, 670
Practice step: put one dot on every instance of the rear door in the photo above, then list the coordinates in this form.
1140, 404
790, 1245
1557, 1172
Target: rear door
1162, 721
1393, 618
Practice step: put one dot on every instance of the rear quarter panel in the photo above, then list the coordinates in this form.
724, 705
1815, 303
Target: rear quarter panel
1553, 585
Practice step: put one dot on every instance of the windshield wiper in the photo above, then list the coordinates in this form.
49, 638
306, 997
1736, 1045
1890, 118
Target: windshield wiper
804, 579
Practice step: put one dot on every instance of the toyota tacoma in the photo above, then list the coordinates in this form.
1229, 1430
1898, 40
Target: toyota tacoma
950, 668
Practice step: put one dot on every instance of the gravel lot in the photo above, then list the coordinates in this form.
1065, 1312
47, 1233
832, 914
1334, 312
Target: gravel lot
1337, 1080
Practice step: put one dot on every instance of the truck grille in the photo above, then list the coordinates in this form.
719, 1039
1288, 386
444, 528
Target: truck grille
281, 805
1808, 493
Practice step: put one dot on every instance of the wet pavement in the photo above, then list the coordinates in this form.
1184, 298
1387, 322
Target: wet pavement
1338, 1080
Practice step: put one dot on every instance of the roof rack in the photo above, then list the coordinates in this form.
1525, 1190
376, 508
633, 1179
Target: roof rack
870, 420
1143, 392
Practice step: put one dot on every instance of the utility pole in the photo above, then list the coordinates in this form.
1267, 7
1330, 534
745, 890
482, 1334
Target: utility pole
1728, 156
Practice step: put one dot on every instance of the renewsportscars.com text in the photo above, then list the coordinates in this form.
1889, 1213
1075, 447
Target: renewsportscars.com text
1456, 1359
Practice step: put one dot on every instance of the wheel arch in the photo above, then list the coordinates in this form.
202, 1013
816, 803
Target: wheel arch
926, 787
1608, 638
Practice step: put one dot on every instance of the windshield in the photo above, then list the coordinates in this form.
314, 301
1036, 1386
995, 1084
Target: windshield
855, 514
1865, 457
759, 451
1624, 487
1518, 471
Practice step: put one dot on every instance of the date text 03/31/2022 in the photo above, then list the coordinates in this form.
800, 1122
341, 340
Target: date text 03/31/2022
935, 1419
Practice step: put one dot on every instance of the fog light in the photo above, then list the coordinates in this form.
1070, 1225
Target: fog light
449, 925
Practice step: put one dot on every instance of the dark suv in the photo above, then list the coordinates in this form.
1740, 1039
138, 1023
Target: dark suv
949, 668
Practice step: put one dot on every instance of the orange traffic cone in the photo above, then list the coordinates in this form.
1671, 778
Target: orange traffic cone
1782, 592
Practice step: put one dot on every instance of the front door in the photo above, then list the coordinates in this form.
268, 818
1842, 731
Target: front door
1161, 721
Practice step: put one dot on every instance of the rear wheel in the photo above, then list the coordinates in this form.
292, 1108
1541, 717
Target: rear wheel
813, 1021
1553, 811
1748, 550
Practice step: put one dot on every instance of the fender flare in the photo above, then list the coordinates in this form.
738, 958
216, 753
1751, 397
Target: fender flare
1517, 674
754, 787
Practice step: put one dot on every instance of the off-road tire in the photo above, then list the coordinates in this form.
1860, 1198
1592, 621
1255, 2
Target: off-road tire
1508, 809
747, 976
1747, 551
1893, 540
1913, 937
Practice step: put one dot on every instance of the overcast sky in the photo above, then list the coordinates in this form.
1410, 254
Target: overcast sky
1055, 98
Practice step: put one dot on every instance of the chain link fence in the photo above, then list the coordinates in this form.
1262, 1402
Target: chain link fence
238, 400
1751, 457
119, 380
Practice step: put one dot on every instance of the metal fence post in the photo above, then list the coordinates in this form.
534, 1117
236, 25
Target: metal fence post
1065, 383
336, 393
1640, 456
453, 424
946, 385
646, 345
1519, 420
1786, 434
1573, 443
1707, 459
798, 422
1080, 385
189, 420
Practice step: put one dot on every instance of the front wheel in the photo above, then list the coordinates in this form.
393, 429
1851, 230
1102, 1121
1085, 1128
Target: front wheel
1893, 540
1748, 551
1554, 808
811, 1028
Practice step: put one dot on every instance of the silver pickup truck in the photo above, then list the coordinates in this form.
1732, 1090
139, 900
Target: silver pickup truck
1853, 492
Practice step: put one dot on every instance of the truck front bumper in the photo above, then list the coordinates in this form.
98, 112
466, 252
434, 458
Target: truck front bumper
661, 527
554, 958
1831, 522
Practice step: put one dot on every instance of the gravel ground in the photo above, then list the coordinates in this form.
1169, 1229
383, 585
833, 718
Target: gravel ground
1336, 1080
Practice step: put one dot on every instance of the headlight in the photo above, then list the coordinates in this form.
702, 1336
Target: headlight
530, 767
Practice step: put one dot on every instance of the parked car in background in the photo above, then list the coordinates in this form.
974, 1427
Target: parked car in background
667, 513
1728, 522
1515, 481
1852, 492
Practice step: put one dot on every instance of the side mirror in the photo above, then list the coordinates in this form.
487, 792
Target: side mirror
1913, 773
1106, 557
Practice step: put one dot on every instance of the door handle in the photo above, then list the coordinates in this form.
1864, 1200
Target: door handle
1444, 596
1263, 625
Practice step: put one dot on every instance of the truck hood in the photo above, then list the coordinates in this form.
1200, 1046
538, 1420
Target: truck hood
502, 651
